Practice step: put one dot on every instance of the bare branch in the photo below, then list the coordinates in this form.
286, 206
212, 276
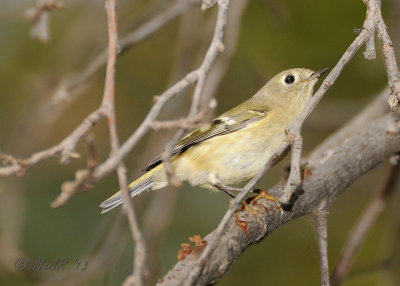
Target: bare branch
190, 78
144, 127
216, 47
392, 70
294, 179
371, 112
364, 224
139, 256
370, 52
321, 219
39, 17
374, 142
65, 148
154, 224
159, 213
208, 4
197, 271
76, 82
85, 178
188, 122
295, 128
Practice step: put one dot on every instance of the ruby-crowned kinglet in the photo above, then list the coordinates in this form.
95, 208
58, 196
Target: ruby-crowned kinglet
235, 145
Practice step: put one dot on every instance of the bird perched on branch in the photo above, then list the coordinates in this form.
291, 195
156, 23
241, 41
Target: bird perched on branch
237, 144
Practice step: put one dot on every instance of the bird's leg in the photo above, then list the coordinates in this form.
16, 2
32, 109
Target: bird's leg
227, 189
213, 181
292, 198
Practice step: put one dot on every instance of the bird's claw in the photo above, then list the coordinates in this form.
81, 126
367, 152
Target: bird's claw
262, 194
248, 207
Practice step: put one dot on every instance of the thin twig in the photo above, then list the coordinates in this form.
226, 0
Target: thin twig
373, 143
214, 49
39, 17
294, 128
294, 179
139, 255
67, 146
370, 52
154, 224
211, 244
321, 220
208, 4
145, 126
185, 123
159, 212
74, 84
188, 122
64, 149
364, 224
111, 162
392, 70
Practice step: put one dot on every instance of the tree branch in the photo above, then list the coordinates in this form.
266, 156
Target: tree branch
153, 223
321, 219
373, 144
39, 16
139, 256
364, 224
64, 149
190, 78
294, 130
371, 112
297, 126
392, 70
75, 82
215, 48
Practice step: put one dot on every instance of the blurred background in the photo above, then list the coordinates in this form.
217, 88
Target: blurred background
41, 102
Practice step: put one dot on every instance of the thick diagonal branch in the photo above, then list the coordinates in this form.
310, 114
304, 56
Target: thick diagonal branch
361, 152
364, 224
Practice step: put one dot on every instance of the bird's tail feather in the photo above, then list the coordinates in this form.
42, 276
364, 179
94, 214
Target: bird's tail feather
135, 188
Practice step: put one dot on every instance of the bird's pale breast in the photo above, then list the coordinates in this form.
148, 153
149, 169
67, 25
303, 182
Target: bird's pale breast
232, 158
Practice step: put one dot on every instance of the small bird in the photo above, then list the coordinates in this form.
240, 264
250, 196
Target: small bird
237, 144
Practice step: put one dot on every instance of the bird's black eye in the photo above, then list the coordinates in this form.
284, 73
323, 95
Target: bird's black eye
289, 79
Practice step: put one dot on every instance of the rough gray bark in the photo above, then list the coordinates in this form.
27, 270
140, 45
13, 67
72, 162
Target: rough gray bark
372, 111
333, 173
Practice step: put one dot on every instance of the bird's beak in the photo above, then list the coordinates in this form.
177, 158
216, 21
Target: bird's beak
317, 74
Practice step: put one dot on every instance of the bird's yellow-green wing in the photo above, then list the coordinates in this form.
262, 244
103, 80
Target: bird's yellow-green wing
224, 124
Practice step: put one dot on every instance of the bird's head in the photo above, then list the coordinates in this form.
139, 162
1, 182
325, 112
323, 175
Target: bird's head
291, 88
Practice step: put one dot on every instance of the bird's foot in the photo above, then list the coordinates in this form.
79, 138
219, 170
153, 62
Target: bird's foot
287, 200
262, 194
247, 206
